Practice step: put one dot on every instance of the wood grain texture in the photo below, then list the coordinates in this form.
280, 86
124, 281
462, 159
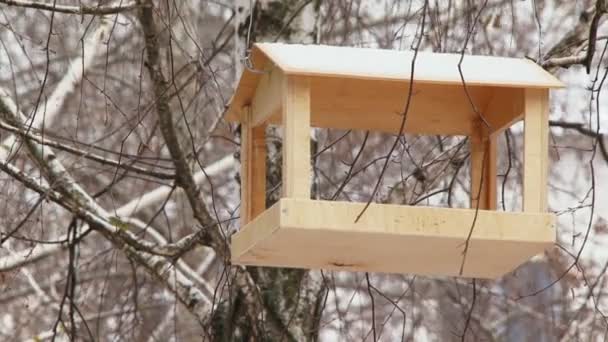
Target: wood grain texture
504, 108
483, 169
391, 239
378, 106
266, 101
258, 171
374, 65
247, 85
253, 168
300, 90
296, 137
536, 150
246, 152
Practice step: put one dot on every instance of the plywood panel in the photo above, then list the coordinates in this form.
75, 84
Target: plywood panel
391, 238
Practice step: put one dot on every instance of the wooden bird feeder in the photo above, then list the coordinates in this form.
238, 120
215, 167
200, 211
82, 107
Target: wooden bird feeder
299, 87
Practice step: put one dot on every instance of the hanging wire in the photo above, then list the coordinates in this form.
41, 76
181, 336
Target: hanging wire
247, 57
249, 66
252, 4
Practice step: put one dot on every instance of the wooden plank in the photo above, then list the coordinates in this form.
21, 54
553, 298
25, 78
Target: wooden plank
483, 169
253, 168
296, 137
264, 225
247, 86
536, 150
258, 172
391, 238
265, 102
382, 64
388, 65
491, 146
246, 152
378, 106
505, 108
478, 177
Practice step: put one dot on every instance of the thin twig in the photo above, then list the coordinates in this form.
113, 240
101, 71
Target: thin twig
82, 9
404, 114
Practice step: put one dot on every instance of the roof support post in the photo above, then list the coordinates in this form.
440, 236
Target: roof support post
483, 168
536, 149
253, 167
296, 137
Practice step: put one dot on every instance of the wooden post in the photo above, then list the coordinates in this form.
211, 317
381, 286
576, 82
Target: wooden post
253, 168
536, 149
296, 137
483, 169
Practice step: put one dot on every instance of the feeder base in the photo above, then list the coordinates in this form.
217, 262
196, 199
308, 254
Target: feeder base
315, 234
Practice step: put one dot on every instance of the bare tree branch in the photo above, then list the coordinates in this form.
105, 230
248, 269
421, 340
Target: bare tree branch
74, 198
114, 8
567, 51
86, 154
579, 127
210, 232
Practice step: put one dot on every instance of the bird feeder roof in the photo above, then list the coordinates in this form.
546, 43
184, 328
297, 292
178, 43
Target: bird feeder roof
386, 65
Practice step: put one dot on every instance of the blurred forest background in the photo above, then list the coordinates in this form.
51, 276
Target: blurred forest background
119, 177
